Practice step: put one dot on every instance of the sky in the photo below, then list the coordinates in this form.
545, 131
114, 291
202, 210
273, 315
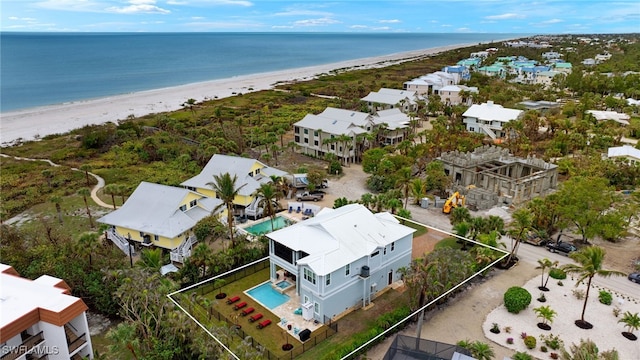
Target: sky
418, 16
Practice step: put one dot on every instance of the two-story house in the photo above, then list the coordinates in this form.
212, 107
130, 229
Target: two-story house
332, 131
39, 319
431, 83
405, 100
249, 173
341, 258
462, 72
457, 94
396, 125
625, 153
489, 118
545, 78
161, 216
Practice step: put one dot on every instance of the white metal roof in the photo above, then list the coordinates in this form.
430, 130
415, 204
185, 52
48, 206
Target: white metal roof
458, 88
155, 209
234, 165
20, 296
610, 115
337, 121
337, 237
625, 151
492, 112
394, 118
390, 96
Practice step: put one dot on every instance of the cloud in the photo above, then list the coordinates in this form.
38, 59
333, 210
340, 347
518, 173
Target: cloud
21, 19
551, 21
303, 12
506, 16
463, 29
358, 27
242, 3
316, 22
139, 6
392, 21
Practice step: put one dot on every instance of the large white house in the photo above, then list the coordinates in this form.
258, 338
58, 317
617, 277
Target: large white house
332, 131
39, 319
431, 83
453, 94
161, 216
489, 118
341, 258
384, 98
396, 125
626, 153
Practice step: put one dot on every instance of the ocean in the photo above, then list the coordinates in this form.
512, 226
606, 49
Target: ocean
38, 69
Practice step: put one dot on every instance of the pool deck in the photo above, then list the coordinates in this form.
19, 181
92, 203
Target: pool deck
285, 313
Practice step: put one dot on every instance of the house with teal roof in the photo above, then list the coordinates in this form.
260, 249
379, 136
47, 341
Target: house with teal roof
564, 67
493, 70
470, 62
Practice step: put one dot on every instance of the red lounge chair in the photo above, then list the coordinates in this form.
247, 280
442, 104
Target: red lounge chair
239, 306
231, 300
247, 311
255, 317
264, 324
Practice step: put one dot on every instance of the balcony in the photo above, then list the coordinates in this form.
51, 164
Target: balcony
74, 341
26, 346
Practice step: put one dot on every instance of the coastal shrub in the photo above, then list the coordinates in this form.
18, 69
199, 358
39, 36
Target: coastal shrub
557, 274
579, 294
530, 342
551, 341
516, 299
605, 297
521, 356
335, 168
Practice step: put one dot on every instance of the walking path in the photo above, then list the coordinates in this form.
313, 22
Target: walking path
94, 190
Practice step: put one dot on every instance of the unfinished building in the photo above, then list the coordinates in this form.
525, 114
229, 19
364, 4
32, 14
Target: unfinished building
491, 176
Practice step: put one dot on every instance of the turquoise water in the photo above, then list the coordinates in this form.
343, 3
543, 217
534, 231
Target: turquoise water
283, 284
267, 296
265, 227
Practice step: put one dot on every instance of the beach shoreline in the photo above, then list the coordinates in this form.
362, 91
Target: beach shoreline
34, 123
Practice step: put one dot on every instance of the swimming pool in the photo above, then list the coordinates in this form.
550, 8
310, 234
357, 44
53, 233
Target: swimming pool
267, 296
264, 227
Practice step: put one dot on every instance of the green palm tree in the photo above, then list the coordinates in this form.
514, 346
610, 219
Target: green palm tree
85, 193
519, 227
86, 168
545, 264
631, 321
545, 313
151, 259
269, 195
404, 183
56, 200
367, 199
418, 190
87, 243
590, 260
481, 350
112, 190
225, 188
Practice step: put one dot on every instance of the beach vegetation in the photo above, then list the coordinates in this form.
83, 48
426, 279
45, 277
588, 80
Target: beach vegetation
516, 299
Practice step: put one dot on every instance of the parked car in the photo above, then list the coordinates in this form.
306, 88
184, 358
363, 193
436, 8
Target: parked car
306, 196
536, 239
635, 277
561, 247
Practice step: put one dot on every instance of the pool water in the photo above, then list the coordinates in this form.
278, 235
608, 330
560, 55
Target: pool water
267, 296
264, 227
283, 284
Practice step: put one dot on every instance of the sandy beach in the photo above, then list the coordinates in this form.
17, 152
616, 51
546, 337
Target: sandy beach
37, 122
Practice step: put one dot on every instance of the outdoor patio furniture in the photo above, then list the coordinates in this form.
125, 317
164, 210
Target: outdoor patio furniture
290, 209
264, 324
283, 321
231, 300
298, 311
298, 211
255, 317
239, 306
247, 311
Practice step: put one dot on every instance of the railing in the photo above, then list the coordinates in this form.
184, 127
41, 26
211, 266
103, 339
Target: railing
120, 242
25, 347
183, 251
75, 344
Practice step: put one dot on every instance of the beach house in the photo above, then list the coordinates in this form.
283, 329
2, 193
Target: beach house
39, 319
545, 78
625, 153
161, 216
405, 100
431, 83
457, 94
333, 131
395, 123
341, 259
250, 174
604, 115
462, 72
489, 119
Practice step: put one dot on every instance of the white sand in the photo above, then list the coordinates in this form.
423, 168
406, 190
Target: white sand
606, 332
37, 122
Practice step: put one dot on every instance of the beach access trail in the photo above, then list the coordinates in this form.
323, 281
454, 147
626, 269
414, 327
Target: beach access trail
38, 122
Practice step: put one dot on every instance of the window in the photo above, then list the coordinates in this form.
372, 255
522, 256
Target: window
310, 276
250, 174
315, 133
306, 141
315, 142
306, 299
297, 138
347, 270
384, 252
296, 130
333, 147
141, 234
316, 307
193, 203
306, 131
257, 171
393, 246
375, 253
156, 238
472, 129
328, 280
183, 208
